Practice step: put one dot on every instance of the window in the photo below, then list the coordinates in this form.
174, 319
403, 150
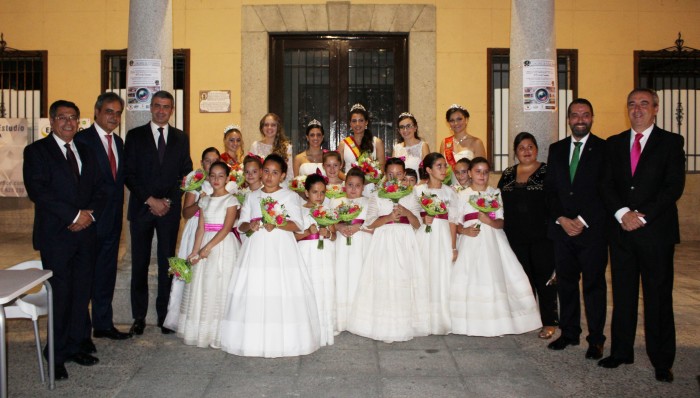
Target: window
23, 84
321, 77
674, 73
114, 79
498, 144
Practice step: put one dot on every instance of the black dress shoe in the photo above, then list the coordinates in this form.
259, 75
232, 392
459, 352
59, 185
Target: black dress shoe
165, 330
87, 347
612, 362
137, 327
83, 359
595, 351
561, 343
112, 333
60, 372
664, 375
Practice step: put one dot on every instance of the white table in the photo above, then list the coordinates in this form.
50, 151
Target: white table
14, 283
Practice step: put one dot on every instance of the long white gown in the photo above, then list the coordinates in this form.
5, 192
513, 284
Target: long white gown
310, 168
204, 298
186, 243
271, 310
490, 294
391, 302
321, 266
348, 263
436, 253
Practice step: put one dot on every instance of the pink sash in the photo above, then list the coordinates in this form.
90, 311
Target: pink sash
471, 216
312, 237
402, 220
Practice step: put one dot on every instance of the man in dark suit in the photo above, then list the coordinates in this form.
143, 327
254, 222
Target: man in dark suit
63, 181
577, 227
108, 149
645, 178
157, 157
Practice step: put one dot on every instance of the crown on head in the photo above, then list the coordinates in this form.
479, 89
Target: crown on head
457, 106
358, 106
231, 127
314, 123
405, 114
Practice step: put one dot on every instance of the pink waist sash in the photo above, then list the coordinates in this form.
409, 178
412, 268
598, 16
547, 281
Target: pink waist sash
357, 221
402, 220
312, 237
471, 216
218, 227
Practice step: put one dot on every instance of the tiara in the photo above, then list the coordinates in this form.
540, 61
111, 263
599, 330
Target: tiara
231, 127
314, 123
358, 106
405, 114
457, 106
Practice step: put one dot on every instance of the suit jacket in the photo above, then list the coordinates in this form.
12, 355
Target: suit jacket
114, 189
582, 196
657, 184
145, 176
57, 195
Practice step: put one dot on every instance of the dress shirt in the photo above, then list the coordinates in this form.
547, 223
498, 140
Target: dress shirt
61, 144
102, 133
642, 142
156, 133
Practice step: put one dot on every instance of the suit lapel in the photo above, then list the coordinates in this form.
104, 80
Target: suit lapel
60, 159
647, 152
170, 144
102, 158
564, 160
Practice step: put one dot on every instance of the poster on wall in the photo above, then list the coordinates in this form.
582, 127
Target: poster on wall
142, 81
539, 85
13, 139
214, 101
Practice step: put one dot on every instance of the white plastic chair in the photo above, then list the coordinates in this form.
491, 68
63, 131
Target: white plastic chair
30, 306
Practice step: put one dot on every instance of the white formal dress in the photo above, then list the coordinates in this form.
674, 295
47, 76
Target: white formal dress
261, 149
391, 301
490, 294
349, 159
310, 168
204, 298
436, 254
271, 310
412, 155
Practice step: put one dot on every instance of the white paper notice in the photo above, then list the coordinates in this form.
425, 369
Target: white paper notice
215, 101
539, 85
143, 80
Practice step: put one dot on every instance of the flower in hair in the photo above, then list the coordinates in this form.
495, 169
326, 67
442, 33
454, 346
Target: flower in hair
252, 155
231, 127
358, 106
319, 172
403, 158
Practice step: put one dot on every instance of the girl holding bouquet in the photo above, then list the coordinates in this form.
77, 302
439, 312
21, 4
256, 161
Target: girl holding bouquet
252, 166
190, 212
331, 169
391, 302
271, 310
318, 255
351, 246
215, 245
490, 295
437, 238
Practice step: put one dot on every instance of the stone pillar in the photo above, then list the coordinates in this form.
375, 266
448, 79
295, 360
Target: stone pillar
150, 37
532, 36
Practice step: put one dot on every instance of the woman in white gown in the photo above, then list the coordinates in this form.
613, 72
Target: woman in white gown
215, 245
461, 144
271, 310
311, 159
361, 141
273, 141
351, 247
438, 247
190, 212
410, 146
391, 302
490, 294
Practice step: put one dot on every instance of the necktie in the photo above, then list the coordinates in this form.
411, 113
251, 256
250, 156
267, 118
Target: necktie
110, 155
72, 161
636, 151
574, 160
161, 145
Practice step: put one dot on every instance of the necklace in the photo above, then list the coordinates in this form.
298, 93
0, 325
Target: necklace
461, 140
314, 157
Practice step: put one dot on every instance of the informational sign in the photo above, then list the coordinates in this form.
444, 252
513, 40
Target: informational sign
539, 85
215, 101
143, 80
13, 139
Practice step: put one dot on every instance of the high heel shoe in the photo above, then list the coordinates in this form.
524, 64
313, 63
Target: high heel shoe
547, 332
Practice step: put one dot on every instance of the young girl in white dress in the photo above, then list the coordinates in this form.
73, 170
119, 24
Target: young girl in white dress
190, 212
438, 248
350, 257
251, 170
490, 294
319, 261
215, 247
271, 310
391, 301
410, 146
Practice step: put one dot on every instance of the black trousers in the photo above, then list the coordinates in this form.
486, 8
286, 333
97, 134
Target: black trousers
537, 259
630, 260
576, 261
166, 229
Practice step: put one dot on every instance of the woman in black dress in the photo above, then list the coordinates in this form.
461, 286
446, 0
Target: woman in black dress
525, 207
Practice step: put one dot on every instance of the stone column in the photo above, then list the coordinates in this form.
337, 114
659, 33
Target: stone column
150, 37
532, 36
